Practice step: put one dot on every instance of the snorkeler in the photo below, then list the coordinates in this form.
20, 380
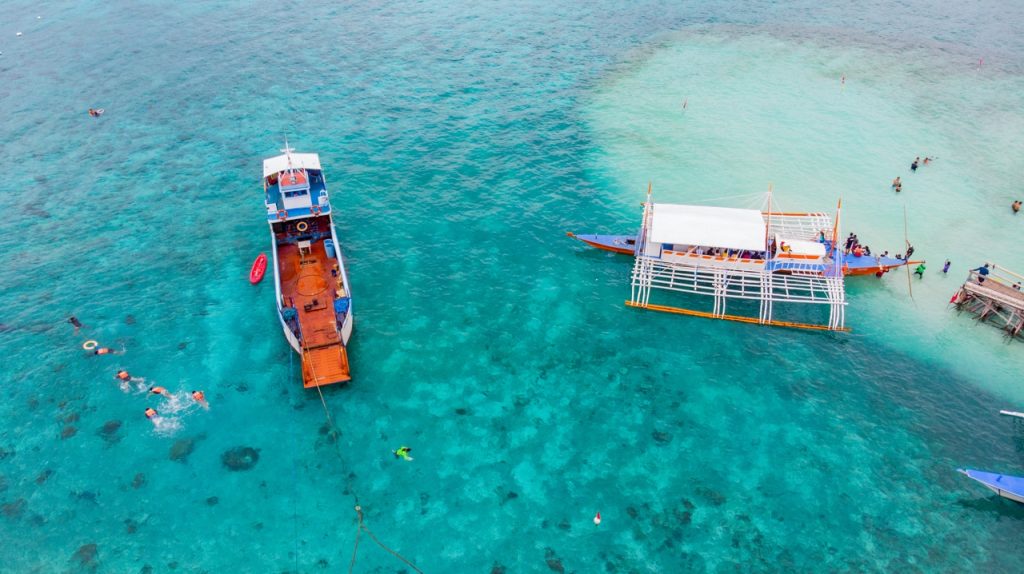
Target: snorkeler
200, 397
77, 324
403, 453
105, 351
123, 375
158, 391
151, 414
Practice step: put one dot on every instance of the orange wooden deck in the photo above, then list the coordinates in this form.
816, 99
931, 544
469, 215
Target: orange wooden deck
307, 284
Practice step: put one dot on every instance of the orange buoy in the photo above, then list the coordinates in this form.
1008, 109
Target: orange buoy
597, 518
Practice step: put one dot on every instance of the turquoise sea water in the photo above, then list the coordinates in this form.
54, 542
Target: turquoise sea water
461, 141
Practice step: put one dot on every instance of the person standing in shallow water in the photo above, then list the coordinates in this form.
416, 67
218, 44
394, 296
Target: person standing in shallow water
919, 271
1015, 207
945, 266
913, 166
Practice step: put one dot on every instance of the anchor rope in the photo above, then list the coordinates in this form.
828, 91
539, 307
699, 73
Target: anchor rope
361, 527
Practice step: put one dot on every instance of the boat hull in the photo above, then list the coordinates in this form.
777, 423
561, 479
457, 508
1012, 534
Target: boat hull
312, 295
1011, 487
852, 265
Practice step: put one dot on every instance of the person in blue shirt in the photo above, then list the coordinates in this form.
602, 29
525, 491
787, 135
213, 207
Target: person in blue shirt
982, 273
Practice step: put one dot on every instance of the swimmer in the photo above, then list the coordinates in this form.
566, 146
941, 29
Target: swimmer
105, 351
151, 414
123, 375
1016, 206
945, 266
403, 453
200, 397
76, 323
927, 161
919, 271
158, 391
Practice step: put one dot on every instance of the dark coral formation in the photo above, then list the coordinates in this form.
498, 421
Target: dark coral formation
108, 432
240, 458
182, 448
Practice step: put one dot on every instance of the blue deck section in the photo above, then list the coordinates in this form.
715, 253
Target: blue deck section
773, 265
300, 212
870, 261
1005, 482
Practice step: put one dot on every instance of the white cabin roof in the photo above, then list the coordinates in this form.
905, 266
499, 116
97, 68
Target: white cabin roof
299, 160
707, 226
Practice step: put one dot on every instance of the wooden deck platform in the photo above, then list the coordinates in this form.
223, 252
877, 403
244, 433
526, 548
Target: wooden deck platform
307, 283
994, 300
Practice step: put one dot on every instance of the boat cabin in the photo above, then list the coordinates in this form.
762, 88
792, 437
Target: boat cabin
294, 185
710, 236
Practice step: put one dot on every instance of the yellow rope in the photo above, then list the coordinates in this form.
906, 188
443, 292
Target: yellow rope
359, 509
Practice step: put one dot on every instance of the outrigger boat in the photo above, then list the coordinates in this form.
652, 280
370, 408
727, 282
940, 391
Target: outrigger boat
1011, 487
727, 253
313, 298
850, 263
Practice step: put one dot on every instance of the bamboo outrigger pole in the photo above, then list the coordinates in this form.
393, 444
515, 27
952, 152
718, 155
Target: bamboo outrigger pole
910, 287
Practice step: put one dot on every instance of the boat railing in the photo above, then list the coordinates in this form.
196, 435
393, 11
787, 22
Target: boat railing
1001, 284
735, 283
805, 226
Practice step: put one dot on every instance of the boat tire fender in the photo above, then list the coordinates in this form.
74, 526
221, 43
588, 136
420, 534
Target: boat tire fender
302, 226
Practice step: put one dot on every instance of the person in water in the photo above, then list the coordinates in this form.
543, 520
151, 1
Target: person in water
919, 271
1016, 206
926, 161
913, 166
76, 323
945, 266
910, 251
123, 375
403, 453
897, 184
104, 351
151, 414
200, 397
158, 391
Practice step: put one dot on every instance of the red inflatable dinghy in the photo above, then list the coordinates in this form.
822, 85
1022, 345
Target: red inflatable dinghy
259, 267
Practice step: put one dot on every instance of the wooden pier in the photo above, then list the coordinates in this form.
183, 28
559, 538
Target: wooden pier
995, 297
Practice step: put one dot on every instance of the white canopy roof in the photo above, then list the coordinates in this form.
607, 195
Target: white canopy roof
707, 226
802, 247
299, 160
